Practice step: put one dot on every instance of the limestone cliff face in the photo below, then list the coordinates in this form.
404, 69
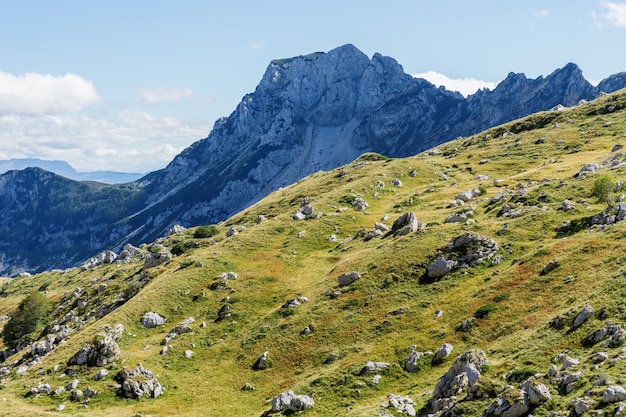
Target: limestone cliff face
308, 113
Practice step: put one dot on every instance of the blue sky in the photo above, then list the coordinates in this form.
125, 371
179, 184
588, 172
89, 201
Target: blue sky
126, 85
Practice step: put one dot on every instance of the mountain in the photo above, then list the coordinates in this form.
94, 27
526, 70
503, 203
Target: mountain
308, 113
66, 170
484, 277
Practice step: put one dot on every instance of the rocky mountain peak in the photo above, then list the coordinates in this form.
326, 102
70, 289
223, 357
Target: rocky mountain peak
309, 113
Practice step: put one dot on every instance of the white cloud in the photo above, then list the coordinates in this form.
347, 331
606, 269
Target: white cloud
40, 94
257, 45
165, 94
613, 14
128, 141
465, 86
541, 13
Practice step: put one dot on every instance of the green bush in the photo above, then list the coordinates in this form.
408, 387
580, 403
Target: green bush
602, 187
31, 316
202, 232
484, 311
522, 374
181, 247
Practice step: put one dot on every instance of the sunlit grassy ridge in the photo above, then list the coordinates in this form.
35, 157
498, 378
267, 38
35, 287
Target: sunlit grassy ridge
275, 265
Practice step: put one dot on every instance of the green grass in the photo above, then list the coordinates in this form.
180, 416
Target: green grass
512, 302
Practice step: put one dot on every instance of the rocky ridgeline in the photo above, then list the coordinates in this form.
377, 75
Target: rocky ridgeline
291, 126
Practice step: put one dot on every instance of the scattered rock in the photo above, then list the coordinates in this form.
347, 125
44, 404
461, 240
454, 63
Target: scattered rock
359, 204
332, 357
261, 363
568, 362
177, 228
568, 382
611, 215
550, 266
568, 205
405, 224
468, 195
440, 267
463, 374
103, 350
599, 357
444, 351
396, 182
90, 392
76, 395
580, 406
101, 374
613, 394
374, 366
584, 315
465, 251
151, 320
289, 401
517, 403
157, 255
348, 278
587, 168
402, 404
183, 327
137, 382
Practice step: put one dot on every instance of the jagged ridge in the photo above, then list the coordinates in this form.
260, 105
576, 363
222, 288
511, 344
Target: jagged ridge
308, 113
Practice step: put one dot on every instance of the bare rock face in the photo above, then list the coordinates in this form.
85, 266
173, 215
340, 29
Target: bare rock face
138, 382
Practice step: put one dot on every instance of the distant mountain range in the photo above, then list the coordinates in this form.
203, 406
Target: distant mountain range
308, 113
66, 170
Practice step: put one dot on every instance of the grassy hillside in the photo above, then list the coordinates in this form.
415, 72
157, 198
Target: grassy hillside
530, 164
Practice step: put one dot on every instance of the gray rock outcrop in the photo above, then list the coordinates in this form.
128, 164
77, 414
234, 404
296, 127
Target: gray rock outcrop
405, 224
463, 374
158, 255
348, 278
183, 327
403, 405
611, 215
613, 394
518, 402
443, 352
102, 351
585, 314
289, 401
463, 252
151, 320
138, 382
